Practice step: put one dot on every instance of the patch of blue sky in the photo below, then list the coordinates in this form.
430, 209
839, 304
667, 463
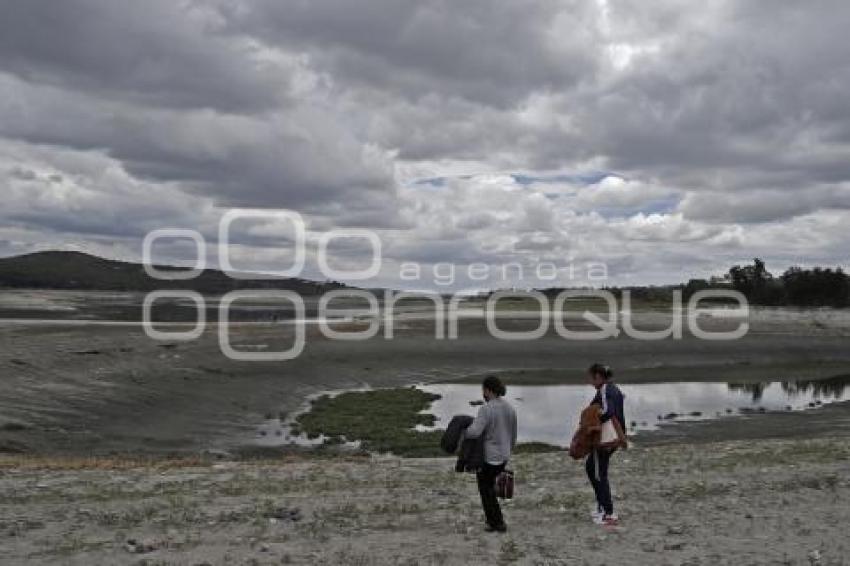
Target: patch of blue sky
572, 178
526, 179
438, 182
661, 205
432, 181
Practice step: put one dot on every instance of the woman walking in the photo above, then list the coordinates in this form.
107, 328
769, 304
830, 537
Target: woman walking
496, 425
609, 399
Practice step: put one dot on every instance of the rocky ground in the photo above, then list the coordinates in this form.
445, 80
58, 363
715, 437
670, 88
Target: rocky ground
743, 502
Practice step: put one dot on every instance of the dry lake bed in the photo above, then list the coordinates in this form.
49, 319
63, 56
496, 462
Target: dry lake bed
118, 449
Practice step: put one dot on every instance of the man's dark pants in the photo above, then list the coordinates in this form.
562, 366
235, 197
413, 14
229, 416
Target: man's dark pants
487, 488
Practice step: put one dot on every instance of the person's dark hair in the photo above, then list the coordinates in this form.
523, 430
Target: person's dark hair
600, 369
494, 384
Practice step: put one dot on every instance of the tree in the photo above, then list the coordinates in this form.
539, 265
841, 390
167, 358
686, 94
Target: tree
694, 285
757, 284
817, 287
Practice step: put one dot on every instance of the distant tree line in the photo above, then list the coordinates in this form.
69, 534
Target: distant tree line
816, 287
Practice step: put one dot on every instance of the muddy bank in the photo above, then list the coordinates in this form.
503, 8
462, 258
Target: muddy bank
101, 389
831, 420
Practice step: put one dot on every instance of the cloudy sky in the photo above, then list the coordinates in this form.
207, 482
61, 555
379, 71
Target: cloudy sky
667, 139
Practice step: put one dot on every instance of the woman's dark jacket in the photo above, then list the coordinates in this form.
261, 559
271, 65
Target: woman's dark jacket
610, 398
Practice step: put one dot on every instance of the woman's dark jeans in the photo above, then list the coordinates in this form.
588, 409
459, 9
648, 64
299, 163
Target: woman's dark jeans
596, 466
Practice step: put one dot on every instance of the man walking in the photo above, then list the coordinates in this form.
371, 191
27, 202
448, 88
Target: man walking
496, 423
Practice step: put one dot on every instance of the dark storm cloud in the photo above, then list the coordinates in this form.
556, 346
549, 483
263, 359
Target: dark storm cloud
763, 205
490, 52
746, 86
159, 88
158, 51
283, 160
725, 121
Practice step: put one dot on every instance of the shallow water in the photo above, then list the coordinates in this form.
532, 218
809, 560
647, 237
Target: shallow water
550, 413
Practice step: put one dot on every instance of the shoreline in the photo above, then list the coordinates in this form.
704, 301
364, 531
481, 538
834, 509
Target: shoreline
111, 390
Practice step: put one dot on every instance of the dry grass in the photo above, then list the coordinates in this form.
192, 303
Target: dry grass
118, 463
57, 463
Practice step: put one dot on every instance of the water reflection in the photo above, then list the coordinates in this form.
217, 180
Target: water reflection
550, 413
754, 389
832, 387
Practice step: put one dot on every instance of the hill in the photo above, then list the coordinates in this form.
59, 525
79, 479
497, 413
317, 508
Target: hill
81, 271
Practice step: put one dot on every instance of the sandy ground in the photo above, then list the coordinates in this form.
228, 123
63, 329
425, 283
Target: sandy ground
768, 502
